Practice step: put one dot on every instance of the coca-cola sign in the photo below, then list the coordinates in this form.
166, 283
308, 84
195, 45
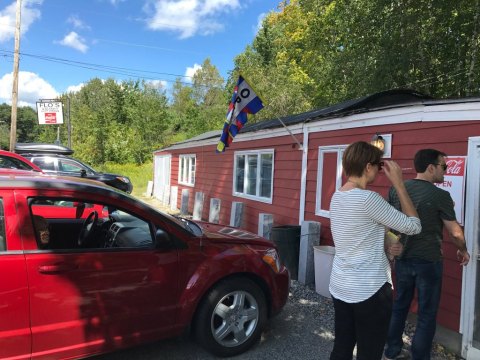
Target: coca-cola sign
454, 183
455, 166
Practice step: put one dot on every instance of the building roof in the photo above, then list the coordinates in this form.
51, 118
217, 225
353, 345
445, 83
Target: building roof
367, 103
381, 100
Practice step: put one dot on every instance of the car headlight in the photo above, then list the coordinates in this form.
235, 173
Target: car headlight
272, 258
123, 179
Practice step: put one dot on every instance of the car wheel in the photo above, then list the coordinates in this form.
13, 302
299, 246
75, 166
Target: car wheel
231, 317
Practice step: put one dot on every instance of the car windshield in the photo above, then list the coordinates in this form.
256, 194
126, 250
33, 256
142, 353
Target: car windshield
188, 225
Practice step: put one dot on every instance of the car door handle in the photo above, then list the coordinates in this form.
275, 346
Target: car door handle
55, 268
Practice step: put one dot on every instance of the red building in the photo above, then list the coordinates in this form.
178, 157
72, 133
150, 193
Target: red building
292, 175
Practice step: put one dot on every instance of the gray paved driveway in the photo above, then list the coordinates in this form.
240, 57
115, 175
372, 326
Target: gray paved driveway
304, 330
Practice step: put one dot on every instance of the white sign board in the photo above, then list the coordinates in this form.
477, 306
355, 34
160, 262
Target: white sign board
454, 183
50, 112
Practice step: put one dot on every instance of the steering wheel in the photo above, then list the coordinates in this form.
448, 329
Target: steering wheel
88, 229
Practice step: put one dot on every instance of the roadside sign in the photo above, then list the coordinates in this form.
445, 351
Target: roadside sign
50, 112
454, 183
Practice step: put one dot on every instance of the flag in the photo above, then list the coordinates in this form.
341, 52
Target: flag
244, 101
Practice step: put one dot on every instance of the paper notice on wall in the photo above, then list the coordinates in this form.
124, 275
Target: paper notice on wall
454, 183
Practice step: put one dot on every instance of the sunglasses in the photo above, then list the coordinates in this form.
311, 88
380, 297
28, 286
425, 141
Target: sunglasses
444, 166
380, 164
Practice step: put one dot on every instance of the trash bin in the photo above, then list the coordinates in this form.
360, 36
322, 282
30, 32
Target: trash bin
287, 239
323, 259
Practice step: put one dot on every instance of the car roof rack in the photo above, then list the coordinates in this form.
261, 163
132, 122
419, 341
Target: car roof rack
42, 148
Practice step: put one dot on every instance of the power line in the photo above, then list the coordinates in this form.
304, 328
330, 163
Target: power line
439, 77
105, 68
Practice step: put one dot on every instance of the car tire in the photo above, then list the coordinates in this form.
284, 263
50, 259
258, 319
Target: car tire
231, 317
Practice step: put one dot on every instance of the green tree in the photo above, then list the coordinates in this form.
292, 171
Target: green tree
209, 95
198, 107
327, 51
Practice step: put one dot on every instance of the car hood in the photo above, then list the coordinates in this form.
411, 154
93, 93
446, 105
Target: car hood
111, 175
229, 234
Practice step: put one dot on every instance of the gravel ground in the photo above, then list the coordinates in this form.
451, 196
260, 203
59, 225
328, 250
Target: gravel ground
303, 330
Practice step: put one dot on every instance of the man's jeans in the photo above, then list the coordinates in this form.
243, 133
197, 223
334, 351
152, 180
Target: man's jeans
426, 277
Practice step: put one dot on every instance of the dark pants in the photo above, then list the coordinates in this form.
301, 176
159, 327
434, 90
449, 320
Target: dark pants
365, 324
426, 278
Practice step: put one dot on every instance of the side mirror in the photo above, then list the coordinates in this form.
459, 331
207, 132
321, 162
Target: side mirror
162, 240
83, 173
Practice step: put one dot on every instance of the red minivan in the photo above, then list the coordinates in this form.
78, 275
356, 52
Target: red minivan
87, 269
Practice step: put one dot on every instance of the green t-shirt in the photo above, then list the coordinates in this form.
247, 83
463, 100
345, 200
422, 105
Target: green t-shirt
433, 205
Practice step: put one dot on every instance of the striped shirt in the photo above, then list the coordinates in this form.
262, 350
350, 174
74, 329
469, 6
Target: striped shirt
358, 220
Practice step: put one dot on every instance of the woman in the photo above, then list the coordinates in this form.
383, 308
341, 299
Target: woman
361, 282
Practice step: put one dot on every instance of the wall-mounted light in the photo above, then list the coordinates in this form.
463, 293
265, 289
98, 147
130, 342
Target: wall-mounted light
378, 141
384, 143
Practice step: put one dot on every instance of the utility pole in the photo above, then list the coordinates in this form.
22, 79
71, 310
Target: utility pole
69, 125
13, 125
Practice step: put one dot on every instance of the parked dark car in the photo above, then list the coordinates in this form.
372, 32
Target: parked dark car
10, 160
55, 159
88, 270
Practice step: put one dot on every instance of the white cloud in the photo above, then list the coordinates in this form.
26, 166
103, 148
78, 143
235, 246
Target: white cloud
116, 2
75, 88
157, 84
31, 88
74, 41
77, 23
260, 19
191, 71
8, 14
188, 17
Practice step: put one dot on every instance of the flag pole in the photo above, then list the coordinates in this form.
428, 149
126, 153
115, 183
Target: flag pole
300, 146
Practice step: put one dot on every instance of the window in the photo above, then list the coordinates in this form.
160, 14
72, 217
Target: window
12, 163
253, 175
69, 166
69, 224
186, 170
329, 176
45, 163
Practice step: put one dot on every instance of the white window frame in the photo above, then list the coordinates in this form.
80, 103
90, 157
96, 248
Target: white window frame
245, 183
322, 150
185, 174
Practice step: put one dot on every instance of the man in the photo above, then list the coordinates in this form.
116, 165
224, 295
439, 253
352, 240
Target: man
42, 230
420, 266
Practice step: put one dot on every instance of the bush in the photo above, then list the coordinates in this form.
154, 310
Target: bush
140, 175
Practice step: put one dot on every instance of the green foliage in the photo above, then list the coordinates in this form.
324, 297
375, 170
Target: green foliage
120, 122
200, 107
308, 54
28, 129
313, 53
140, 175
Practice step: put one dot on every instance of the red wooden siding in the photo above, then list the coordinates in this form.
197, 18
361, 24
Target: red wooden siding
407, 139
214, 177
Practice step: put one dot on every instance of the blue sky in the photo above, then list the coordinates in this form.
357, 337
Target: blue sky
65, 43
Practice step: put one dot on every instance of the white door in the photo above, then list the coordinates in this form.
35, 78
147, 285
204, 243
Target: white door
470, 318
161, 176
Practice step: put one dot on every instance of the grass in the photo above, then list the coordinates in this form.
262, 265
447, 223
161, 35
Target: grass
140, 175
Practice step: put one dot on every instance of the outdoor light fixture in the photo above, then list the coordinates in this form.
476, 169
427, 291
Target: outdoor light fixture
378, 141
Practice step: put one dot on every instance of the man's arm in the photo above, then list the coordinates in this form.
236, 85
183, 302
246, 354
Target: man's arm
456, 234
